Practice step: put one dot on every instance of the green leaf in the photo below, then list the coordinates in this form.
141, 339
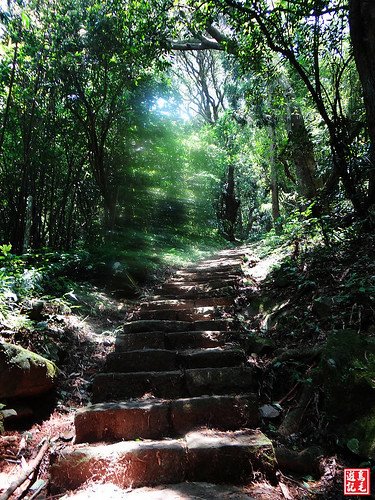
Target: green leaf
25, 20
353, 445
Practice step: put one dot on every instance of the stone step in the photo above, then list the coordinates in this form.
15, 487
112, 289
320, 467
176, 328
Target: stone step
199, 279
212, 456
202, 339
169, 360
141, 360
217, 265
211, 357
188, 314
225, 291
177, 340
155, 418
161, 325
206, 273
173, 384
174, 304
206, 286
184, 491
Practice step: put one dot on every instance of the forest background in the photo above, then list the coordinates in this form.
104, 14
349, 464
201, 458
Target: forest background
135, 135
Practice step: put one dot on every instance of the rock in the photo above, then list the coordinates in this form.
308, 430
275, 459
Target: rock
204, 455
304, 462
259, 345
24, 373
269, 411
359, 436
8, 413
322, 307
35, 313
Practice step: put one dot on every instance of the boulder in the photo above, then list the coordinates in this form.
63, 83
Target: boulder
24, 373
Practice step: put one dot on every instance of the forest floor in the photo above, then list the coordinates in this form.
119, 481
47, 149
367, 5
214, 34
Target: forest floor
289, 303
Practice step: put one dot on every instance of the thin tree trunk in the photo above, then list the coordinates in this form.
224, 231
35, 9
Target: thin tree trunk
9, 97
274, 182
362, 32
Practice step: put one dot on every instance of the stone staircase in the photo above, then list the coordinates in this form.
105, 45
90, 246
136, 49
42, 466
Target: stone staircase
176, 400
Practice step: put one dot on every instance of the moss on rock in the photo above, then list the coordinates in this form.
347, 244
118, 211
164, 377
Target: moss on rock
24, 373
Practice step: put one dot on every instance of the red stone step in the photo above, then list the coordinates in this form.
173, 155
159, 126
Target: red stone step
177, 340
227, 380
220, 457
161, 325
184, 491
175, 304
202, 339
119, 386
194, 294
168, 360
157, 360
173, 384
211, 357
189, 314
202, 279
155, 418
182, 286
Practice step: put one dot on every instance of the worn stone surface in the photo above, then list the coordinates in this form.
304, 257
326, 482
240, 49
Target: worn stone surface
201, 456
156, 326
123, 421
191, 491
142, 340
211, 357
175, 304
24, 373
189, 314
125, 464
180, 491
219, 380
117, 386
142, 360
155, 418
202, 339
229, 457
219, 412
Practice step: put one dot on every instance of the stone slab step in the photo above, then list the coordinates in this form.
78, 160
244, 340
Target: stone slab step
188, 314
142, 340
202, 339
141, 360
155, 418
227, 380
161, 325
177, 340
119, 386
213, 456
173, 384
174, 304
169, 360
211, 357
205, 279
206, 274
195, 294
218, 265
183, 286
183, 491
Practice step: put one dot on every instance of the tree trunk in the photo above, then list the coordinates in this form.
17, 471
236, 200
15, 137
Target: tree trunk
274, 182
300, 145
229, 206
9, 97
362, 31
28, 222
